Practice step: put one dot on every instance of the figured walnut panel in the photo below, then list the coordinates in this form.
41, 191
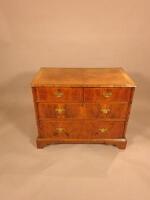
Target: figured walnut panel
106, 94
61, 129
82, 77
104, 129
106, 111
81, 129
59, 95
61, 111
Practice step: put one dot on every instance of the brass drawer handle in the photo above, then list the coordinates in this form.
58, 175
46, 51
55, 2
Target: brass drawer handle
60, 130
103, 130
60, 110
107, 94
58, 94
105, 110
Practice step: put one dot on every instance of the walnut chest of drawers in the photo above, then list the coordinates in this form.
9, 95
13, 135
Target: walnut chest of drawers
82, 105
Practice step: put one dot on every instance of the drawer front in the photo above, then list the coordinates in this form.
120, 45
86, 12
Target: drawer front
82, 111
59, 95
104, 130
60, 111
106, 111
87, 129
106, 94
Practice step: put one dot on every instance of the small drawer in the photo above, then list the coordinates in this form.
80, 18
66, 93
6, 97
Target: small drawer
61, 129
107, 111
105, 130
106, 94
60, 111
58, 95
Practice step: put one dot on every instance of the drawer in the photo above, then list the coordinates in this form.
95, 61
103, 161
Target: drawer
106, 111
82, 111
106, 94
104, 129
86, 129
58, 95
60, 111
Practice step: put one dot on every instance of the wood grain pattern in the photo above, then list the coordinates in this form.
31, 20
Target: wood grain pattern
59, 95
82, 105
80, 129
100, 94
67, 111
83, 111
129, 109
114, 111
82, 77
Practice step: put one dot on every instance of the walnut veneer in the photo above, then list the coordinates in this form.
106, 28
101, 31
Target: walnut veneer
82, 105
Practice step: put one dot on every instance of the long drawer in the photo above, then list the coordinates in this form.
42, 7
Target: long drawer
80, 129
83, 111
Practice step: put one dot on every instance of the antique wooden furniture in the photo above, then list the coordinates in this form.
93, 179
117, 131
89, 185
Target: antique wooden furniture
82, 105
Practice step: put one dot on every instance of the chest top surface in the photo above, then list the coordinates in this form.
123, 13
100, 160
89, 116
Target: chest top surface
82, 77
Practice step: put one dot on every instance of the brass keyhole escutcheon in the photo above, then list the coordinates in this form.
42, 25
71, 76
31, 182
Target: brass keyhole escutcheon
61, 130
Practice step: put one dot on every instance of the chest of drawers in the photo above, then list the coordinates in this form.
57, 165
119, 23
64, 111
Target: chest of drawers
82, 105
